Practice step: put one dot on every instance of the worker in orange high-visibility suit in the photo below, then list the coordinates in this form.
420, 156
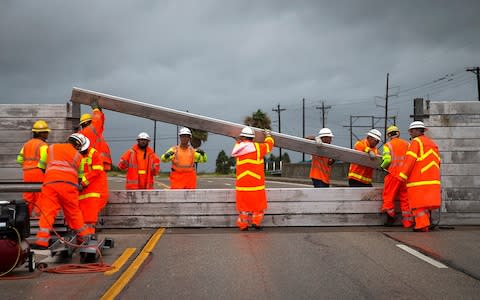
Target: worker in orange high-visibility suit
92, 126
93, 188
393, 158
60, 190
321, 165
358, 175
141, 163
183, 157
250, 184
421, 171
33, 158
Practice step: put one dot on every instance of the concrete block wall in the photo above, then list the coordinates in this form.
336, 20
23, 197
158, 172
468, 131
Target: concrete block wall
16, 122
455, 127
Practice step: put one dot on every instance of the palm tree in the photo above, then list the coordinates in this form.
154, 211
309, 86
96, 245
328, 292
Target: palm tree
258, 119
198, 136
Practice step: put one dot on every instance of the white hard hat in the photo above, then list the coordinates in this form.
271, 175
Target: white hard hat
184, 131
375, 134
325, 132
416, 124
247, 132
143, 136
81, 139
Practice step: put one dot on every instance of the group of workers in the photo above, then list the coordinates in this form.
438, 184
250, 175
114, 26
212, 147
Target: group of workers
73, 174
413, 172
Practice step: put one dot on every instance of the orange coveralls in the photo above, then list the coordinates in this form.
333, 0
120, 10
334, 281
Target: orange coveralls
183, 174
60, 191
395, 150
94, 132
94, 194
320, 169
358, 172
421, 171
250, 180
33, 158
141, 166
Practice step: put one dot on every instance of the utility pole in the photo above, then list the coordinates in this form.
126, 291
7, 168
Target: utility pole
303, 125
154, 135
279, 110
477, 72
324, 110
386, 111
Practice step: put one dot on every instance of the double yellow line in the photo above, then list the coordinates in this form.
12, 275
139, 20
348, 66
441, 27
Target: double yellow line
125, 278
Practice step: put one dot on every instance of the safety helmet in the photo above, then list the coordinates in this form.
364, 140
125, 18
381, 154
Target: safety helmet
40, 126
392, 128
85, 118
184, 131
416, 125
247, 132
325, 132
82, 140
143, 136
375, 134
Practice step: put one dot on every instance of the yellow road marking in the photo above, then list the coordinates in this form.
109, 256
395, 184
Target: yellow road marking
126, 276
117, 265
163, 185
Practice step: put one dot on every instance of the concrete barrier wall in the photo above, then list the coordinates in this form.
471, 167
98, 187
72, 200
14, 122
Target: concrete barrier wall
455, 127
16, 121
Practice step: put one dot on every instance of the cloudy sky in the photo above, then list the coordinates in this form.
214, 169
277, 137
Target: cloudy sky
226, 59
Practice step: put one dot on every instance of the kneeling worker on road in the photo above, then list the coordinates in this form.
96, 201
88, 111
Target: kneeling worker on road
321, 165
183, 157
60, 190
358, 175
250, 184
393, 158
141, 163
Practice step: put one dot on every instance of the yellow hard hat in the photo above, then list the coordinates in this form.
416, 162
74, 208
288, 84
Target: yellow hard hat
392, 128
85, 118
40, 126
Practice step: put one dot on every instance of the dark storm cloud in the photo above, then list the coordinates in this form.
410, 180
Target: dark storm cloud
225, 59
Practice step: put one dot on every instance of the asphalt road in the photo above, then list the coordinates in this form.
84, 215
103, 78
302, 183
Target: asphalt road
277, 263
207, 182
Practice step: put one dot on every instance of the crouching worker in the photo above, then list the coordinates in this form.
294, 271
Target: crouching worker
92, 181
60, 190
250, 175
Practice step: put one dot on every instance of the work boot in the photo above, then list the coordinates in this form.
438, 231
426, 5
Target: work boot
38, 247
257, 227
390, 220
243, 228
423, 229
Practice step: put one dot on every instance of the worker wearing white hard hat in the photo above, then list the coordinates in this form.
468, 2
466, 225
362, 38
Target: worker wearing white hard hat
394, 151
321, 166
141, 164
183, 174
421, 172
250, 193
358, 175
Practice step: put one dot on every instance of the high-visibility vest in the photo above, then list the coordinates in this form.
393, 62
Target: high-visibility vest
250, 173
320, 168
358, 172
394, 153
183, 159
421, 170
94, 132
92, 176
63, 163
33, 158
129, 161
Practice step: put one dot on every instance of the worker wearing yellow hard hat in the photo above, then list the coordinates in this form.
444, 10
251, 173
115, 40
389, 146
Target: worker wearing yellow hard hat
33, 159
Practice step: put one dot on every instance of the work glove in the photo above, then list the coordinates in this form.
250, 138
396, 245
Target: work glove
80, 187
331, 161
372, 155
94, 104
201, 152
267, 132
318, 140
168, 154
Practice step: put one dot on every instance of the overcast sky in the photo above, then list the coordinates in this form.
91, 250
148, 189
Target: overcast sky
226, 59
